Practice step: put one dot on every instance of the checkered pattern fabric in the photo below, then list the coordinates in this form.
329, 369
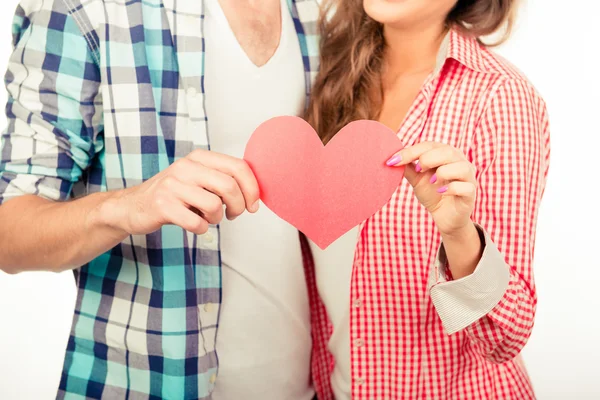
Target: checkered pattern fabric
403, 308
103, 95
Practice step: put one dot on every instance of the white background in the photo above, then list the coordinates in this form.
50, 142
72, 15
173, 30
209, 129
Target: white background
556, 44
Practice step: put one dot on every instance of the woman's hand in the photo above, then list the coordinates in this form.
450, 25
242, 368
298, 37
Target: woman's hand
443, 181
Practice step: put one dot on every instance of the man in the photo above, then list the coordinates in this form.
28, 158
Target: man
105, 169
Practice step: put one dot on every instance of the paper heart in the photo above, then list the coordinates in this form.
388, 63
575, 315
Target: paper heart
324, 191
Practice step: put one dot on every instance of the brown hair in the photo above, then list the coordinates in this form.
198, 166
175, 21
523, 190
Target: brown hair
348, 86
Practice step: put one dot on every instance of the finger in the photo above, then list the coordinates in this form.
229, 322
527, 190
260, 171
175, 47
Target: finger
413, 177
458, 171
459, 189
223, 185
411, 154
438, 157
179, 215
236, 168
208, 204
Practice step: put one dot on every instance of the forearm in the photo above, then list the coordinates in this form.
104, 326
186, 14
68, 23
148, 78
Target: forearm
38, 234
463, 251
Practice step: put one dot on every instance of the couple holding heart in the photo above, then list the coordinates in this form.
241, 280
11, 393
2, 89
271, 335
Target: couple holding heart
143, 135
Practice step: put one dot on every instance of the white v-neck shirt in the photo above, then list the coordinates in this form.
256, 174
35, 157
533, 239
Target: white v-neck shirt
264, 342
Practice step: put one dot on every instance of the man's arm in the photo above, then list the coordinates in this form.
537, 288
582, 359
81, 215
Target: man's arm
54, 132
40, 234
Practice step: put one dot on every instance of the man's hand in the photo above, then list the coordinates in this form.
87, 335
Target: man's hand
190, 193
39, 234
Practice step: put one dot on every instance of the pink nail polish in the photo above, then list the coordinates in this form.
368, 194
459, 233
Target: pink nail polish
395, 159
443, 189
433, 178
418, 168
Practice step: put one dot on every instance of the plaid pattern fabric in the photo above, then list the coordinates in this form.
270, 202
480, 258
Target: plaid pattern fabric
102, 96
400, 348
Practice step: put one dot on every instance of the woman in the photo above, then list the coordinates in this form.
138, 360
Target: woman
428, 321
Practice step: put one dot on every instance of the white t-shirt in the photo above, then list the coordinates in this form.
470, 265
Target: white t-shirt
264, 342
333, 269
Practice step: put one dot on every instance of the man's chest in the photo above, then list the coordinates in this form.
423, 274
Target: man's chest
255, 24
152, 57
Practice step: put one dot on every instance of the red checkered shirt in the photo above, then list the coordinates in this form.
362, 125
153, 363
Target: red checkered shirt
415, 333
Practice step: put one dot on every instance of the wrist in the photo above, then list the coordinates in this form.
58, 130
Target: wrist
464, 234
464, 249
110, 214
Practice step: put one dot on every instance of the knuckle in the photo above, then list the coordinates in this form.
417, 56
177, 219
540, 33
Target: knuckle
169, 183
183, 164
198, 153
424, 160
214, 205
441, 173
471, 189
161, 203
198, 226
241, 167
230, 186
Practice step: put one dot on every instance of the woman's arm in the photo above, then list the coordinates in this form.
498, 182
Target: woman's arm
496, 303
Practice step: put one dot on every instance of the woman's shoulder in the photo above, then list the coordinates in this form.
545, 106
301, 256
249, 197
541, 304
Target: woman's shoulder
487, 67
508, 76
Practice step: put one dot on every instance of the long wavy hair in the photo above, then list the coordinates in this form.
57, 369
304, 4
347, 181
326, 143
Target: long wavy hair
348, 86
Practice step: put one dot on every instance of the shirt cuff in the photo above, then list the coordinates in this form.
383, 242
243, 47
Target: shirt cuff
461, 302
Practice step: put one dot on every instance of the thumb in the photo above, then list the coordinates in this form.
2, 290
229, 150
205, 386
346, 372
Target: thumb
411, 175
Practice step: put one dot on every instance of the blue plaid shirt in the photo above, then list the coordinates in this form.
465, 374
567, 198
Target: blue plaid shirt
103, 95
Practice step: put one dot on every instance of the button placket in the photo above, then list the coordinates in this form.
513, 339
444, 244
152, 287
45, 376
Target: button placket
192, 92
209, 240
208, 307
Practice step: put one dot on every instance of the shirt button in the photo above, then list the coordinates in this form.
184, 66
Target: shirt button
192, 92
213, 378
357, 303
360, 381
208, 237
359, 342
208, 307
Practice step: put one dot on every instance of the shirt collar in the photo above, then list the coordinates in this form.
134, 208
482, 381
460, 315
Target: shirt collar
466, 50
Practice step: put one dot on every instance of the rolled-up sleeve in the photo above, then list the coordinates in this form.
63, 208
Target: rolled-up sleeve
54, 113
495, 306
461, 302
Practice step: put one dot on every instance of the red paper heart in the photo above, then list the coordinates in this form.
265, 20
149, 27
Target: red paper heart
324, 191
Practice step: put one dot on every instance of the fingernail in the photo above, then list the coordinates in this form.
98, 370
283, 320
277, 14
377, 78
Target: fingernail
395, 159
254, 207
418, 168
433, 178
442, 189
